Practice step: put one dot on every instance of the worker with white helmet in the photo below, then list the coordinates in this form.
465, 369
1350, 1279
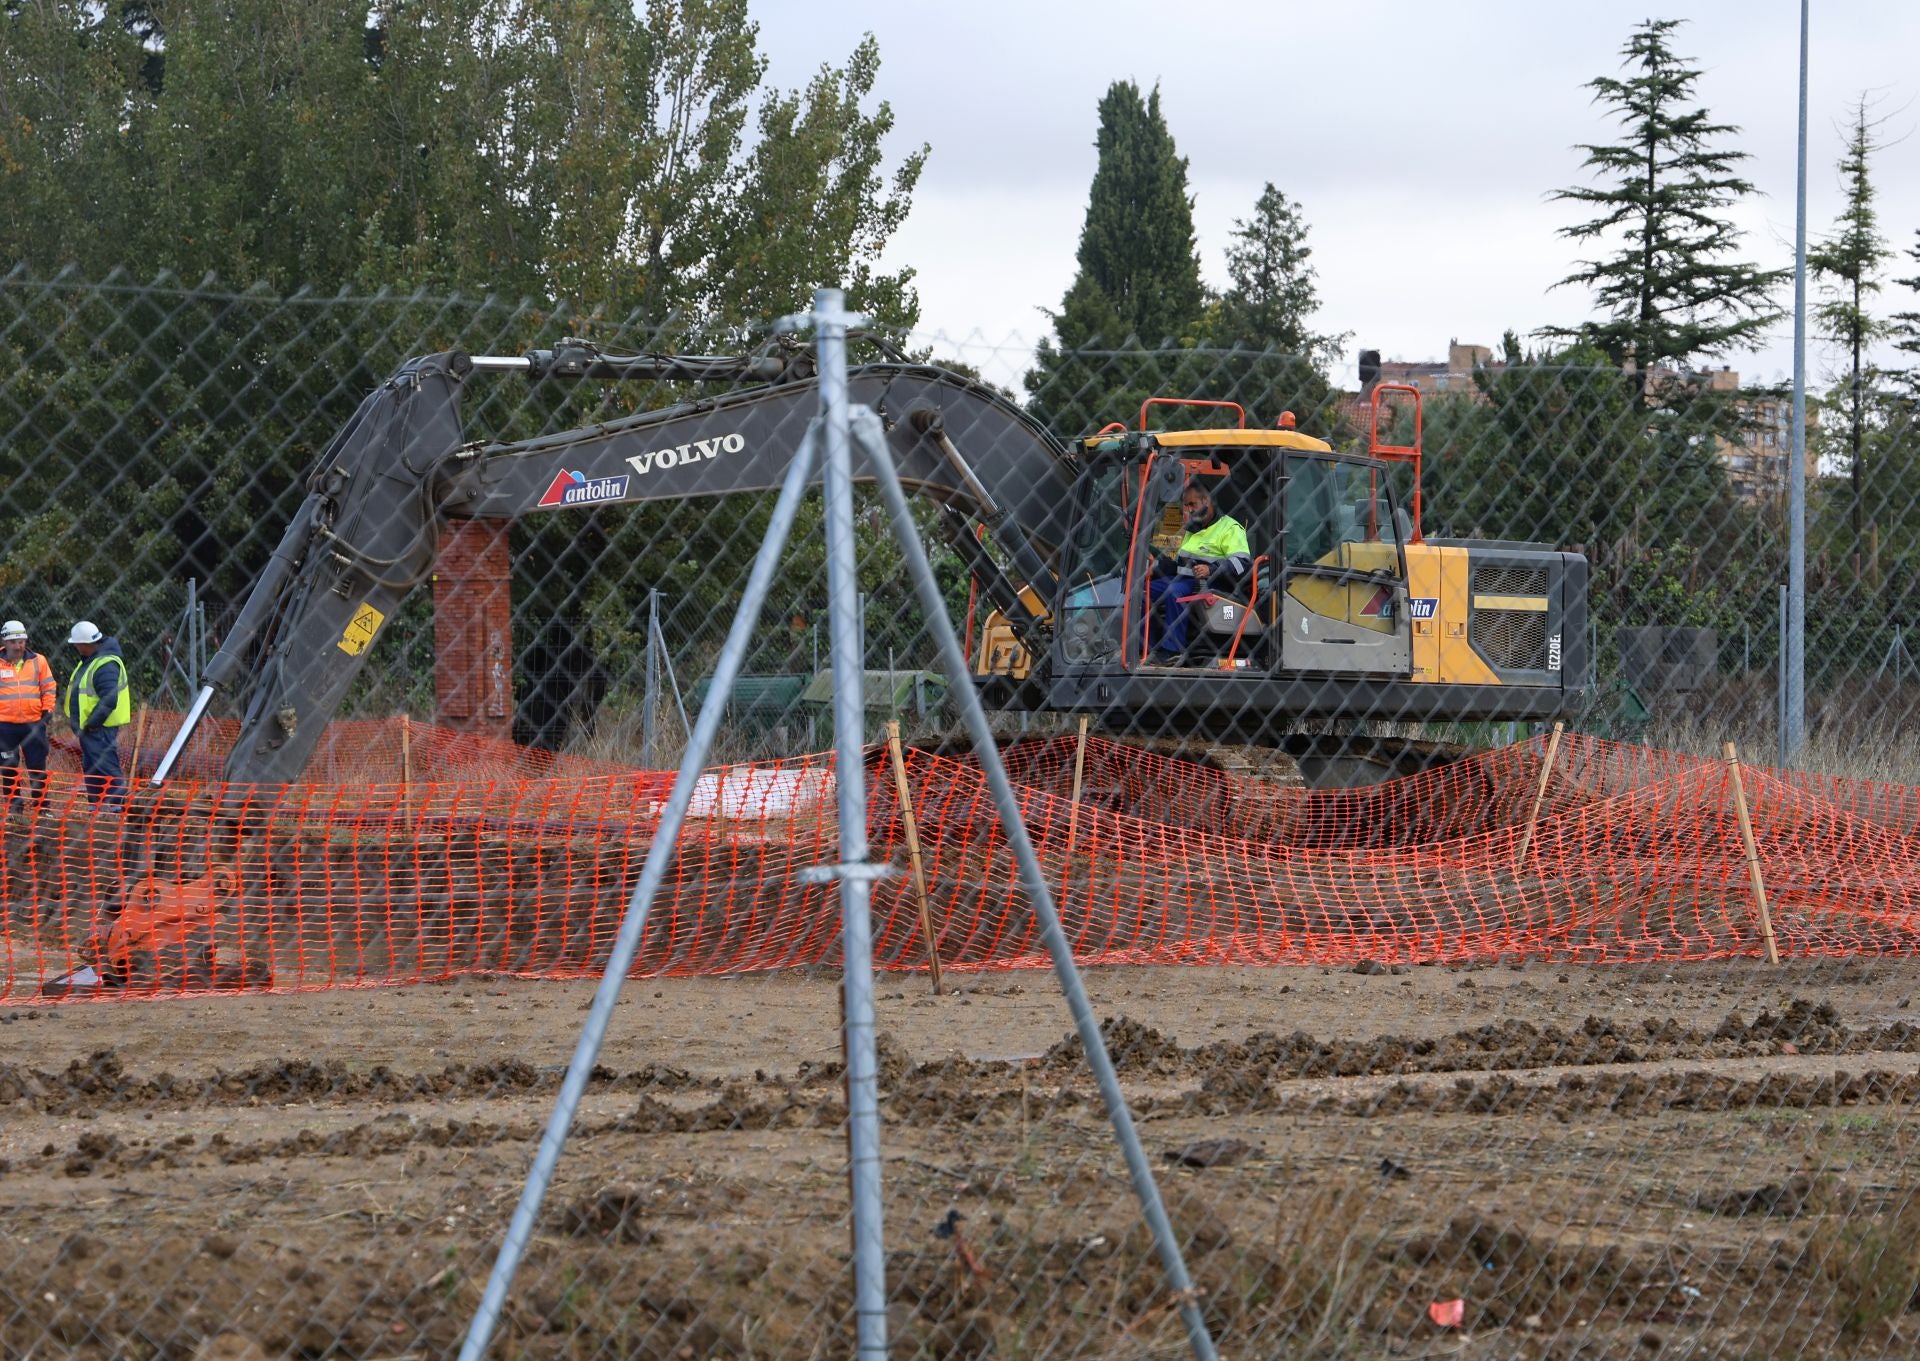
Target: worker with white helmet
26, 703
99, 702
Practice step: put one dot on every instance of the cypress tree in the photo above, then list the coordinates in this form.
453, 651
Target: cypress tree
1138, 284
1668, 291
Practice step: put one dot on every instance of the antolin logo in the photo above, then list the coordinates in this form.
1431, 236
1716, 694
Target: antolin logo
577, 489
700, 449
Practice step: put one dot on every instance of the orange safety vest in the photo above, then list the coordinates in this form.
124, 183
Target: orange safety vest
26, 689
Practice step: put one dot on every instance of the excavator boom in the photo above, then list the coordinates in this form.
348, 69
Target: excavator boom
368, 532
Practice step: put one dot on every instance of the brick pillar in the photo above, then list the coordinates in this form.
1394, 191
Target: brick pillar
473, 629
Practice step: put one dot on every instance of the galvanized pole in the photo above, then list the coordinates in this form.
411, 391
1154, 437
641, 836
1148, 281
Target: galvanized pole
1780, 683
193, 634
873, 444
846, 638
659, 855
1796, 661
673, 680
652, 700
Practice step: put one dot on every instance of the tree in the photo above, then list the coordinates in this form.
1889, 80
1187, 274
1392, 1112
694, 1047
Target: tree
817, 204
1851, 259
1555, 450
68, 75
621, 170
1668, 291
1273, 360
588, 151
1272, 295
1905, 326
1138, 283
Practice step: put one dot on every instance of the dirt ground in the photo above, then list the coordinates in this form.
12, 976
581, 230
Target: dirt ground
1705, 1160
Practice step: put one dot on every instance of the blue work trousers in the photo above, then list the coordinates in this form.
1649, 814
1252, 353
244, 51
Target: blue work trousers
100, 773
27, 779
1167, 593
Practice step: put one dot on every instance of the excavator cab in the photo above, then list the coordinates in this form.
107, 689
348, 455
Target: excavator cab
1346, 612
1326, 589
1344, 603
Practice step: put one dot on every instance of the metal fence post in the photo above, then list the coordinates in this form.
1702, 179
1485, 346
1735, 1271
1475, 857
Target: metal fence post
653, 680
673, 679
193, 635
1780, 683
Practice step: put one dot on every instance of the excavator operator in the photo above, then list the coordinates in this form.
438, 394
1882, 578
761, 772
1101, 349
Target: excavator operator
1213, 556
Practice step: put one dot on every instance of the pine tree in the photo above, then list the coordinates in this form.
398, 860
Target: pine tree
1905, 326
1272, 294
1274, 360
1138, 284
1851, 259
1668, 291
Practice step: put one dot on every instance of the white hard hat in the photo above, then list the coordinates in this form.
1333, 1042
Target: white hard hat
84, 632
12, 629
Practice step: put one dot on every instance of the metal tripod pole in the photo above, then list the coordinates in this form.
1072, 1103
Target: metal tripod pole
732, 654
846, 608
873, 445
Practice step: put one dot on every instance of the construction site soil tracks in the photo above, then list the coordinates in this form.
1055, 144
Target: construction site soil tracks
1712, 1159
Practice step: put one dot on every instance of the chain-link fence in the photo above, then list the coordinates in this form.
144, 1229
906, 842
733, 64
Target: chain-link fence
1274, 690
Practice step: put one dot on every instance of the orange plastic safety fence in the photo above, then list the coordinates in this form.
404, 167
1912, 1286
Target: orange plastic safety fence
352, 751
1636, 854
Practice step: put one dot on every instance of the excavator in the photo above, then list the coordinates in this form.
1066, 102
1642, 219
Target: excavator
1347, 617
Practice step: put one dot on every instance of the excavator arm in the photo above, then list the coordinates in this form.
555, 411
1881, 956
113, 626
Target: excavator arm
367, 534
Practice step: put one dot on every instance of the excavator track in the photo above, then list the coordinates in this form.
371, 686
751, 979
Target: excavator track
1297, 761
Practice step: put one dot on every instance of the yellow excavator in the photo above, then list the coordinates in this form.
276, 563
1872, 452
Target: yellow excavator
1346, 617
1348, 614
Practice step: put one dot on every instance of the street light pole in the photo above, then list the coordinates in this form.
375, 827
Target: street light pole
1796, 659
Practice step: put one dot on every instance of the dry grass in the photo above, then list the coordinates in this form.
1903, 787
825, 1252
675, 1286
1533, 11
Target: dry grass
1868, 1261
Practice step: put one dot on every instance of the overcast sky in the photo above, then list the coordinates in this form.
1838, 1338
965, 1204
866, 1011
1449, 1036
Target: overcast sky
1421, 139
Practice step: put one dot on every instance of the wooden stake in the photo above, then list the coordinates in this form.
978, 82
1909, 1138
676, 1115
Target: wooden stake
1753, 854
406, 765
1539, 796
139, 736
913, 853
1079, 768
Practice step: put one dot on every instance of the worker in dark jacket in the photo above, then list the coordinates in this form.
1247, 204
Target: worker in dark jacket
98, 703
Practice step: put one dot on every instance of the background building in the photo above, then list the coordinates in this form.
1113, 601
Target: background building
1756, 461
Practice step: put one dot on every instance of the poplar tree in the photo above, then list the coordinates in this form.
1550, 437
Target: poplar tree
1850, 259
1138, 284
624, 167
1669, 287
